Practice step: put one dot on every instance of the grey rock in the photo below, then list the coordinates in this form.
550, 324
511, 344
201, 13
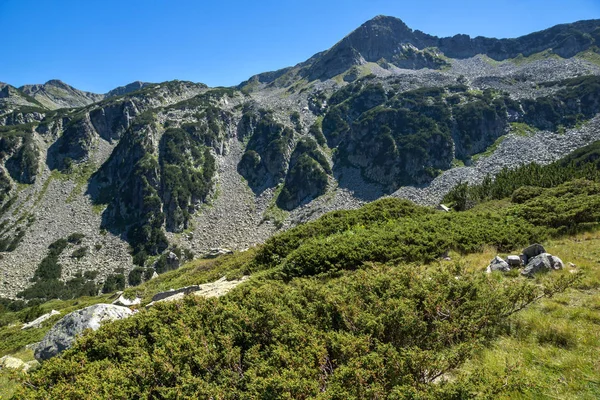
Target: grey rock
216, 252
30, 364
64, 332
32, 346
125, 302
172, 292
532, 251
36, 323
556, 262
442, 207
541, 262
498, 264
514, 261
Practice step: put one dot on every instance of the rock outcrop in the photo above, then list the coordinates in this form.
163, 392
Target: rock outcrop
64, 332
542, 263
217, 288
36, 323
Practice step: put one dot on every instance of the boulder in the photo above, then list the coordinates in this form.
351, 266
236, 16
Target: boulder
541, 262
513, 261
443, 207
498, 264
11, 363
123, 301
36, 323
556, 263
532, 251
63, 333
30, 364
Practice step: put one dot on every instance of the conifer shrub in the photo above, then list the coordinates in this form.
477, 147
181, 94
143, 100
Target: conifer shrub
373, 333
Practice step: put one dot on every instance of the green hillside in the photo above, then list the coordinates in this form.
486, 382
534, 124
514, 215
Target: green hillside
358, 305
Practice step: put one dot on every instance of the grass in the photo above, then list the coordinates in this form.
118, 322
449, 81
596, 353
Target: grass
490, 150
80, 175
99, 208
543, 55
553, 345
592, 55
457, 163
522, 129
273, 213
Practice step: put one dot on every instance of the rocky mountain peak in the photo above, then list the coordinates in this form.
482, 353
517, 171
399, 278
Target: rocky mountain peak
131, 87
58, 83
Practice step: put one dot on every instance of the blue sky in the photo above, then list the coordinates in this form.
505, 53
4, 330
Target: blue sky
98, 45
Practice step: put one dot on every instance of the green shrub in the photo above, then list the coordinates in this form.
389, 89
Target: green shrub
75, 238
80, 252
367, 334
113, 283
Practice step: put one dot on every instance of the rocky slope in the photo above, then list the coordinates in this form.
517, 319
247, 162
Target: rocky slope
149, 175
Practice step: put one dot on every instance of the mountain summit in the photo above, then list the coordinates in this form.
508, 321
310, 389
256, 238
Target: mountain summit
390, 43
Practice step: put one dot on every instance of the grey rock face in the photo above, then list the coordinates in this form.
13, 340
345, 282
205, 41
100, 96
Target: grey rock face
498, 264
63, 334
541, 262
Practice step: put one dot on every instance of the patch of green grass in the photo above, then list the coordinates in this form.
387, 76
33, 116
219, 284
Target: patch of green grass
273, 213
80, 175
543, 55
592, 55
490, 150
489, 60
552, 345
99, 208
522, 129
457, 163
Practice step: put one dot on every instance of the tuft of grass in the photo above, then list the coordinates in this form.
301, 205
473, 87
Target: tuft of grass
80, 175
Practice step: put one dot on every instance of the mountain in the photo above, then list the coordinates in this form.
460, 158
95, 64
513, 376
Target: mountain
132, 87
138, 180
388, 41
57, 94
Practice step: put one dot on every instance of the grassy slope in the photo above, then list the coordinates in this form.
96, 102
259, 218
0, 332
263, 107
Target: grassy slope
551, 347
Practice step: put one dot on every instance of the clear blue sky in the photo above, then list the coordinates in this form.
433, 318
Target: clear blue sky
98, 45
